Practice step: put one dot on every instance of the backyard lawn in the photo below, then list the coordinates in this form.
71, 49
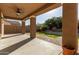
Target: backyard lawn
53, 38
57, 39
49, 35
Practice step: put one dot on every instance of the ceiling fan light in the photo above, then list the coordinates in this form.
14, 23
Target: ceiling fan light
18, 14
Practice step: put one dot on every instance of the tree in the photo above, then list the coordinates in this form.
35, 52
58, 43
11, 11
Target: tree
54, 22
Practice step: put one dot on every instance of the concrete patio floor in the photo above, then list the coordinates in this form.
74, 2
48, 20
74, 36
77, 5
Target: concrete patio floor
21, 44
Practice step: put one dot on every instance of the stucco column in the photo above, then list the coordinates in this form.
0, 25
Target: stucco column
69, 28
32, 26
2, 25
23, 27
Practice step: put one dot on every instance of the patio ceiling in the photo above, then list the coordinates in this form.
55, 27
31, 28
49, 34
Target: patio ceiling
28, 9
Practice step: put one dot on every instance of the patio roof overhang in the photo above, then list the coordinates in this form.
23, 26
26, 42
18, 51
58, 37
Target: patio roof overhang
28, 9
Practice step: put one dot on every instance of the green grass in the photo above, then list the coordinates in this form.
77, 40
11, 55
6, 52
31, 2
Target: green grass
53, 36
49, 35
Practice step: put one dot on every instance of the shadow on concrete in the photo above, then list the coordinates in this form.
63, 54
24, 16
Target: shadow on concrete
12, 36
10, 49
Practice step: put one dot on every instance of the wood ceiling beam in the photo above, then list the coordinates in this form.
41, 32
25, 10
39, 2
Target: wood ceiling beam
52, 7
39, 9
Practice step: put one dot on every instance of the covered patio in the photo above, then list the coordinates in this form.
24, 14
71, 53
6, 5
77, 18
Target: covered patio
27, 11
24, 45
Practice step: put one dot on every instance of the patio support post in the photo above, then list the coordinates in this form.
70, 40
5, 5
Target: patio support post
69, 28
32, 26
23, 27
2, 24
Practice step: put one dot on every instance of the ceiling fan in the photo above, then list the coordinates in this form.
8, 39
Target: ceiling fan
19, 11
